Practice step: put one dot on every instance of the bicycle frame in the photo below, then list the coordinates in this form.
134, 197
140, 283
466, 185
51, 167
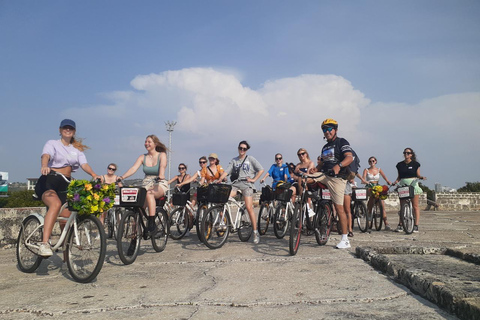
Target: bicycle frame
228, 208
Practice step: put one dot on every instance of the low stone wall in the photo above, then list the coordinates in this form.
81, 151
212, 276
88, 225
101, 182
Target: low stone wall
10, 221
458, 201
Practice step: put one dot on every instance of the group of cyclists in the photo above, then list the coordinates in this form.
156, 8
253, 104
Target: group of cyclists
66, 155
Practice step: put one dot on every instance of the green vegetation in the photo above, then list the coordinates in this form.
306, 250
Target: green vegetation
470, 187
427, 190
19, 199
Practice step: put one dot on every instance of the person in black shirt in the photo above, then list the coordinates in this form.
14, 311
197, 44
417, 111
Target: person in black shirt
335, 158
408, 171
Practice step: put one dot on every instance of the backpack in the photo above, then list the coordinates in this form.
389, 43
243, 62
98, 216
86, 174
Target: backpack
355, 165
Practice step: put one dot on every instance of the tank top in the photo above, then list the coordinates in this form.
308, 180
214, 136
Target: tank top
373, 177
151, 171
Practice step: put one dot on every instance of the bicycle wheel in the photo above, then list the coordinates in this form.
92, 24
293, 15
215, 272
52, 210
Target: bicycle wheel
323, 223
116, 217
178, 223
406, 214
214, 227
281, 221
86, 248
108, 224
129, 236
245, 229
264, 217
160, 238
360, 210
202, 208
295, 229
30, 234
377, 211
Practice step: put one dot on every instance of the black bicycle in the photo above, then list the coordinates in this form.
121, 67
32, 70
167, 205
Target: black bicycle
266, 212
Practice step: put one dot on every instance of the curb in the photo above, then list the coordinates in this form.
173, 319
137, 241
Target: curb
454, 301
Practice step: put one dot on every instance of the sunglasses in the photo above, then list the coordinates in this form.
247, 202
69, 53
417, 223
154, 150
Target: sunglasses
113, 169
278, 158
301, 154
329, 129
202, 162
242, 149
371, 161
181, 168
406, 152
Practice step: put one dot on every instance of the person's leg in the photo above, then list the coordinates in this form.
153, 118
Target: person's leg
387, 226
347, 199
251, 212
416, 209
53, 204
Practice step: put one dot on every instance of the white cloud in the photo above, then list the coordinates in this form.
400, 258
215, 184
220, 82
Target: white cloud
214, 111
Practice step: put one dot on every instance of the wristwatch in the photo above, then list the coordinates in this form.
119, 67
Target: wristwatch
340, 165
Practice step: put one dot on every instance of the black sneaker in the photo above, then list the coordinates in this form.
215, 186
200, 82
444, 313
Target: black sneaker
131, 249
415, 229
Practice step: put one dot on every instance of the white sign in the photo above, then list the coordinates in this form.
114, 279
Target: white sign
3, 181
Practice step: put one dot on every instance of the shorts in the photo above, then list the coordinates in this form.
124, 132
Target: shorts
52, 182
149, 183
336, 187
348, 189
410, 181
246, 189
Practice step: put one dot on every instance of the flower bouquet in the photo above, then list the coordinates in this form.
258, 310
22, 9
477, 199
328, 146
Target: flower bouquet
380, 192
87, 197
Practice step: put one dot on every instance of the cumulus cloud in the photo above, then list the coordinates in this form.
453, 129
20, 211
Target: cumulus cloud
214, 111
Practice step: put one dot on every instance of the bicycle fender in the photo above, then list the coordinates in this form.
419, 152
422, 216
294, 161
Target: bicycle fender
38, 216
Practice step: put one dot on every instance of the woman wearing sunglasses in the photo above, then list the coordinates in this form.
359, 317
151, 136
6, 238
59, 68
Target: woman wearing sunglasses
249, 171
109, 178
212, 172
305, 165
279, 172
408, 172
181, 177
371, 176
202, 162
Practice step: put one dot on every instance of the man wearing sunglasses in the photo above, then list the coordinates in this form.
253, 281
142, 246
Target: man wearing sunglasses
335, 157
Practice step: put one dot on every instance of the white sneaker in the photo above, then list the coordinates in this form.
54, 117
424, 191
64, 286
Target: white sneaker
45, 250
344, 244
256, 237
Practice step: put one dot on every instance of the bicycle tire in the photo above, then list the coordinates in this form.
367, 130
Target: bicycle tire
295, 230
323, 223
129, 236
214, 228
202, 208
264, 215
178, 223
360, 210
280, 221
107, 224
27, 260
245, 229
86, 249
160, 237
378, 215
408, 220
116, 221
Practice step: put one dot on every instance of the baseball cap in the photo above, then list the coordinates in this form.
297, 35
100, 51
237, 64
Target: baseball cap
67, 122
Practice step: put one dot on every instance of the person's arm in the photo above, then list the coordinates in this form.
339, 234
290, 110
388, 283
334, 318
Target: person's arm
384, 177
172, 180
227, 171
133, 169
189, 180
86, 167
264, 177
44, 163
419, 176
345, 162
163, 165
361, 178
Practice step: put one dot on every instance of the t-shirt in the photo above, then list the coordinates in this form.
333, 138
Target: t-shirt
62, 156
278, 173
407, 170
205, 173
333, 153
249, 169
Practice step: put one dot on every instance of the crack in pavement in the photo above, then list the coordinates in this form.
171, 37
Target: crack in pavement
208, 304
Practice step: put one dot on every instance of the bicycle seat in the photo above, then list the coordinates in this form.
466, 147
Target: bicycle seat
160, 201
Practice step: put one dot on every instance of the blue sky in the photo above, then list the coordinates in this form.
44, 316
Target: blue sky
394, 74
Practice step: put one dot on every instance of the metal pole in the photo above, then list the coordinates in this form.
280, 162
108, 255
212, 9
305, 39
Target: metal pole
169, 125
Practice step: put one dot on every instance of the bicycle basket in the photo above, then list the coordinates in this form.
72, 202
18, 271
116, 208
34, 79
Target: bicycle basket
283, 195
406, 192
218, 193
132, 196
202, 194
267, 194
180, 198
359, 194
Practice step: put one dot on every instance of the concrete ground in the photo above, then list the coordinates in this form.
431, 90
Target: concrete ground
247, 281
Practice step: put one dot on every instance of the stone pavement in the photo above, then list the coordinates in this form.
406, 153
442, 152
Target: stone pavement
244, 280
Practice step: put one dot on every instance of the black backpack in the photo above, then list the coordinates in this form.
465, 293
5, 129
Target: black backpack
355, 165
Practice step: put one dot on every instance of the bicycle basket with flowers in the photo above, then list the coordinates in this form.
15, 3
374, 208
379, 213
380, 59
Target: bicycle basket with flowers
90, 198
380, 192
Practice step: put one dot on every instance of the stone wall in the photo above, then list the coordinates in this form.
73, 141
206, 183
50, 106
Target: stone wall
458, 201
10, 221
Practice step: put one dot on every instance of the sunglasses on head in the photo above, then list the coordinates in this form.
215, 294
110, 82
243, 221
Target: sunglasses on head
406, 152
301, 154
242, 149
202, 162
113, 169
329, 129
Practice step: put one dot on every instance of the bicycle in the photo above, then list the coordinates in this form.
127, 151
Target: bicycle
133, 227
181, 217
267, 205
325, 217
217, 222
359, 209
83, 241
283, 212
406, 194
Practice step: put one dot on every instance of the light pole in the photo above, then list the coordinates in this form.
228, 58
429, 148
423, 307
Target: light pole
170, 125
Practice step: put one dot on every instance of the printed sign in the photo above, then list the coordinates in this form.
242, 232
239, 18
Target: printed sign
360, 194
3, 181
326, 194
404, 192
116, 202
129, 194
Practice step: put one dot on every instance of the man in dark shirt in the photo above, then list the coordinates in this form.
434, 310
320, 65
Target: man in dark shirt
335, 158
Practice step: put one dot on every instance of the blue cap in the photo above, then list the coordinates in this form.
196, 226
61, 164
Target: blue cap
67, 122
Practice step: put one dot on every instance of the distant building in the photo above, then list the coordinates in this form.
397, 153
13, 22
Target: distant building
438, 187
